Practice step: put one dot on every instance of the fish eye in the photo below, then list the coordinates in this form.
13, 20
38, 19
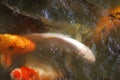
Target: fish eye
11, 48
118, 13
32, 76
112, 16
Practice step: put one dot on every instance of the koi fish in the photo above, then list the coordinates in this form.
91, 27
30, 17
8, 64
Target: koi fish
34, 73
81, 51
24, 73
12, 45
44, 70
107, 23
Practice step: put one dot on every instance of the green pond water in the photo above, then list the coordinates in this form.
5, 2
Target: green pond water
76, 18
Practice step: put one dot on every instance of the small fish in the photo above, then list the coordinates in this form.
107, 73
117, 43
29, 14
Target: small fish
12, 45
107, 23
24, 73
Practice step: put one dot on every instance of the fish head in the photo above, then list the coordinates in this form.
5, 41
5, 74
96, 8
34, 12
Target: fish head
14, 44
115, 12
24, 45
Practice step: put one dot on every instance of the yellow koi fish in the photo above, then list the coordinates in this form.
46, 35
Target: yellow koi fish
12, 45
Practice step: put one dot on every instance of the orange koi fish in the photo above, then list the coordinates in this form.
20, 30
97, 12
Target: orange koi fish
12, 45
107, 23
24, 73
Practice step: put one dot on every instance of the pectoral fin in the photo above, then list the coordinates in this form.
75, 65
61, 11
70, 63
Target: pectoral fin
5, 60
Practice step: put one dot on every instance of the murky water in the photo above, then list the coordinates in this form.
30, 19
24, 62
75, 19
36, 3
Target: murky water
76, 18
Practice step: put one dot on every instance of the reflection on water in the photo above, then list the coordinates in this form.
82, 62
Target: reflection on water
76, 18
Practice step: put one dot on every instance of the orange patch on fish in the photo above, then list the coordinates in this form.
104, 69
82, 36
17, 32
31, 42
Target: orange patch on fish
12, 45
24, 73
107, 23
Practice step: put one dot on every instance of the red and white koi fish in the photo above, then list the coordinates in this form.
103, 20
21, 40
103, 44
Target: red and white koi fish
12, 45
34, 73
24, 73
